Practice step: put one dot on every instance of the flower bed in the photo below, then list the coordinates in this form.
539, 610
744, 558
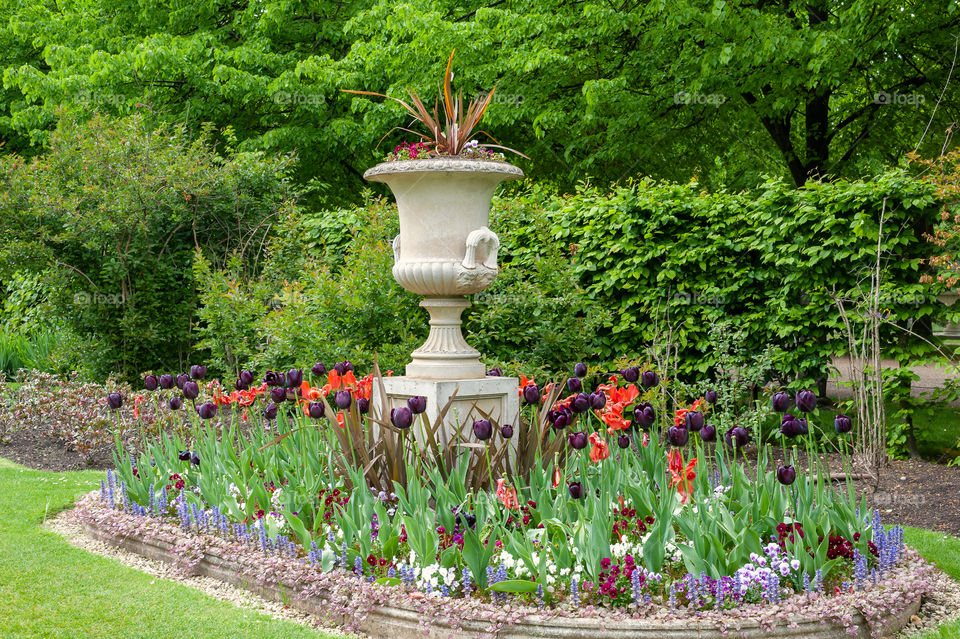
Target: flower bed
341, 599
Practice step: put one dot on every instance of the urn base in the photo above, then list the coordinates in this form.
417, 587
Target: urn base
445, 355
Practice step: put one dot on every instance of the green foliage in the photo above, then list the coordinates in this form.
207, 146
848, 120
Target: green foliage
110, 218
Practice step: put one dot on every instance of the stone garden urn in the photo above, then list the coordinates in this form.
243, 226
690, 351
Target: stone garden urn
445, 250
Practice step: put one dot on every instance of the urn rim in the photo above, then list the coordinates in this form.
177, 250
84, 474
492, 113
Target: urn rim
443, 165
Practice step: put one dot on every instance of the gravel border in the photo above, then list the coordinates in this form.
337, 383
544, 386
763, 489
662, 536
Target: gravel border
943, 606
67, 527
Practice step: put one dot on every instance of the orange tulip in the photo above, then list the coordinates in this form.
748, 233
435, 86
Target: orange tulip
681, 477
600, 450
507, 495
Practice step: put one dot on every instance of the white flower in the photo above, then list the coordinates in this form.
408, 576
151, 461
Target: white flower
795, 564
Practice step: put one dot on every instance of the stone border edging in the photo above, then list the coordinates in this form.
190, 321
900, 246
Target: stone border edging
407, 623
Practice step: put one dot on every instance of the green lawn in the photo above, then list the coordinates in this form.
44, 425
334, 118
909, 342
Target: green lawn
51, 589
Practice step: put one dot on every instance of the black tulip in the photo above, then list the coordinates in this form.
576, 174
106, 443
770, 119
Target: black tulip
482, 429
623, 441
182, 379
694, 420
678, 435
363, 405
272, 378
737, 437
183, 455
580, 403
806, 401
316, 409
803, 426
198, 372
708, 433
342, 399
150, 382
239, 385
342, 367
578, 440
580, 370
278, 394
574, 385
598, 400
790, 426
191, 390
246, 377
319, 369
401, 417
294, 377
417, 404
506, 431
270, 411
175, 403
780, 401
207, 410
496, 371
563, 419
644, 415
710, 396
786, 475
114, 400
166, 381
195, 459
842, 424
649, 379
631, 374
575, 489
531, 394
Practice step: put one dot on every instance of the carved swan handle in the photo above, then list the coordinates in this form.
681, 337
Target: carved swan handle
396, 249
482, 236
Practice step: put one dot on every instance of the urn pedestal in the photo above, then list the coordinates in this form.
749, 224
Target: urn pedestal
445, 251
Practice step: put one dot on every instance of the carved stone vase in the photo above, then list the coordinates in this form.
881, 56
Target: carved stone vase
445, 250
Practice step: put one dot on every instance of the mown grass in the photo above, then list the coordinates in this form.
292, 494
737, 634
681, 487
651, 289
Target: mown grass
51, 589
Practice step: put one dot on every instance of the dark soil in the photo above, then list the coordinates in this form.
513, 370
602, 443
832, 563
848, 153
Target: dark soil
30, 448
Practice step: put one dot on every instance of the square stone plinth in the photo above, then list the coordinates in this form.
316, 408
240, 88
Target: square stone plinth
496, 396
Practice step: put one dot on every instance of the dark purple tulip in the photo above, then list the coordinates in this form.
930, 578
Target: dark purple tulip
278, 394
644, 415
631, 374
417, 404
574, 385
531, 394
580, 403
710, 396
316, 409
166, 381
401, 417
780, 402
183, 455
319, 369
694, 420
803, 426
623, 441
270, 411
182, 379
578, 440
150, 382
482, 429
598, 400
273, 378
790, 426
506, 431
737, 436
708, 433
175, 403
580, 370
575, 489
246, 377
342, 399
198, 372
342, 367
239, 385
363, 405
294, 377
191, 390
649, 379
562, 418
786, 475
678, 435
207, 410
195, 459
843, 424
806, 401
496, 371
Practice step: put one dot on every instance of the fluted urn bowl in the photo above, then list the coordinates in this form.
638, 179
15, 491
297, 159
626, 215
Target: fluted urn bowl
445, 249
